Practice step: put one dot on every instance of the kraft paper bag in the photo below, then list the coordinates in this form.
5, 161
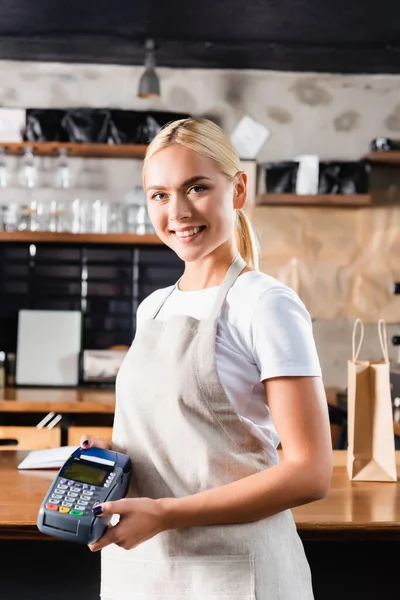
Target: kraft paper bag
371, 449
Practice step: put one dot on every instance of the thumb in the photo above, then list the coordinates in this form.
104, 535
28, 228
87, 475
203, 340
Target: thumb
115, 507
86, 441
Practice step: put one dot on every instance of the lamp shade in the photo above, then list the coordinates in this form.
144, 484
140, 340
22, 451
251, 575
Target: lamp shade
149, 84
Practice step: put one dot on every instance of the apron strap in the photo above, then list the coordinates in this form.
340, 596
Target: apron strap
157, 310
232, 274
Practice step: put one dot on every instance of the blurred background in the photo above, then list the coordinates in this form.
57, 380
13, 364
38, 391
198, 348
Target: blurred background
310, 95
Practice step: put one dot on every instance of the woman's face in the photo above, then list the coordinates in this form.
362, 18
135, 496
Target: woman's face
190, 202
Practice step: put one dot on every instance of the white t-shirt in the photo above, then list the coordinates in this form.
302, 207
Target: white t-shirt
263, 331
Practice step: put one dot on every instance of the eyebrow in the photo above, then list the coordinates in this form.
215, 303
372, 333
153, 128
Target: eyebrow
185, 183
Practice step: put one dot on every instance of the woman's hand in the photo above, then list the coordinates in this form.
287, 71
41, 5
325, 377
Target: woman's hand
87, 441
140, 520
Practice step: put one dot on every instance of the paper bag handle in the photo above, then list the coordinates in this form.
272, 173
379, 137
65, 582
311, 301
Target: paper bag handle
357, 352
383, 339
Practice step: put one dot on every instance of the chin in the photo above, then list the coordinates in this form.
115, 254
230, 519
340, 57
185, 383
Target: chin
189, 254
188, 257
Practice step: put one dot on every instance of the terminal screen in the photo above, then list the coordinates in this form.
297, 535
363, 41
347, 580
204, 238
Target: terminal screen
79, 471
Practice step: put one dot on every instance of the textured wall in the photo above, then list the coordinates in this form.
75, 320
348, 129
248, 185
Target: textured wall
342, 262
330, 115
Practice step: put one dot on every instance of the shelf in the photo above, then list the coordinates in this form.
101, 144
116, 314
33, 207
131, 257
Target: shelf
389, 158
79, 238
344, 200
83, 150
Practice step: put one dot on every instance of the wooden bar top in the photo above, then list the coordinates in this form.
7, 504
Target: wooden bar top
351, 510
66, 400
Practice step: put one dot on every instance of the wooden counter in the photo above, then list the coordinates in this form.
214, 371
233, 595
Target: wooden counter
351, 511
68, 400
63, 400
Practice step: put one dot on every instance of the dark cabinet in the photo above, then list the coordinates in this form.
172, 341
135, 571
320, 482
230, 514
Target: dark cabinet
106, 282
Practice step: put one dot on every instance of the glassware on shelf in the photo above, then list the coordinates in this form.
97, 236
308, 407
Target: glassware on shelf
117, 218
28, 172
4, 172
76, 217
3, 217
137, 218
24, 218
99, 216
10, 216
133, 205
35, 215
143, 224
56, 217
31, 216
79, 216
62, 177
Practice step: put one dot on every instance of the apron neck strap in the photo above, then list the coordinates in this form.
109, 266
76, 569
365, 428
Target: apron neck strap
155, 312
232, 274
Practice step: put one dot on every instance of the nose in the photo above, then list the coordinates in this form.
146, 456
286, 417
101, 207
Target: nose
179, 208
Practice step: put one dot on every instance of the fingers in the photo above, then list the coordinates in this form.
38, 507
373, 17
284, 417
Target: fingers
88, 441
105, 540
116, 507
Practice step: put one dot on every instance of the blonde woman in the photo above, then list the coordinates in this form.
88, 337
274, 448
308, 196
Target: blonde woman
223, 367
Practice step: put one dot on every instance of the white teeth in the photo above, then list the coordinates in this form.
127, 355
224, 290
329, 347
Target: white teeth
188, 232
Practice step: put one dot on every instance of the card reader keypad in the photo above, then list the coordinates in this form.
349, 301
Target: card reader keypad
76, 498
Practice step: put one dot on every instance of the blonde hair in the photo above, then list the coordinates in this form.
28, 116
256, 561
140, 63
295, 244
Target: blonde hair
207, 138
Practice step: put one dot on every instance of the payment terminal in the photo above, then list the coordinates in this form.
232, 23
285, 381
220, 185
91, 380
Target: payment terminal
87, 478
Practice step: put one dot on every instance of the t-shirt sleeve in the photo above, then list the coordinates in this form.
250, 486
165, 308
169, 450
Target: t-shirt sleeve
146, 309
139, 315
282, 337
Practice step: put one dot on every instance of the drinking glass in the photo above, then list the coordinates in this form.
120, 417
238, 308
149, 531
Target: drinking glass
4, 172
62, 177
28, 172
99, 216
117, 217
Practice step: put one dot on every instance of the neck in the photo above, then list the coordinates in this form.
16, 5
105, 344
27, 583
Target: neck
208, 271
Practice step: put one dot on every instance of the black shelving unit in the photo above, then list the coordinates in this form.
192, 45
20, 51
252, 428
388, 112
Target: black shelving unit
106, 282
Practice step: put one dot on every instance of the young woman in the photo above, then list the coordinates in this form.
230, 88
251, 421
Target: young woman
223, 367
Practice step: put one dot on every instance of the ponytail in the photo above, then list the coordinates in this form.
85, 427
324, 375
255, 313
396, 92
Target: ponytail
246, 239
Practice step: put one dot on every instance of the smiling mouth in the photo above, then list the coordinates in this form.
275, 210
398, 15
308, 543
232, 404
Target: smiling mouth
188, 233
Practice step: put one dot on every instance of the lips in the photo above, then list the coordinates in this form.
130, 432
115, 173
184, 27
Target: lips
188, 232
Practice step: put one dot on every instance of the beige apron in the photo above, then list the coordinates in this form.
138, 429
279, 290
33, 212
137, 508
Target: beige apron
175, 421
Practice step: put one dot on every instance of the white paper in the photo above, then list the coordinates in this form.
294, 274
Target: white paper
51, 458
12, 123
48, 346
307, 175
248, 137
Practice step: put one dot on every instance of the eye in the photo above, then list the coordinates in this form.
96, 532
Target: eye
158, 196
197, 189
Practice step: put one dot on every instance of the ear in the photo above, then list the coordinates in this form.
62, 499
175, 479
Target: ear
239, 190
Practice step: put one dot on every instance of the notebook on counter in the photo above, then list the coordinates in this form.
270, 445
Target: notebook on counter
51, 458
